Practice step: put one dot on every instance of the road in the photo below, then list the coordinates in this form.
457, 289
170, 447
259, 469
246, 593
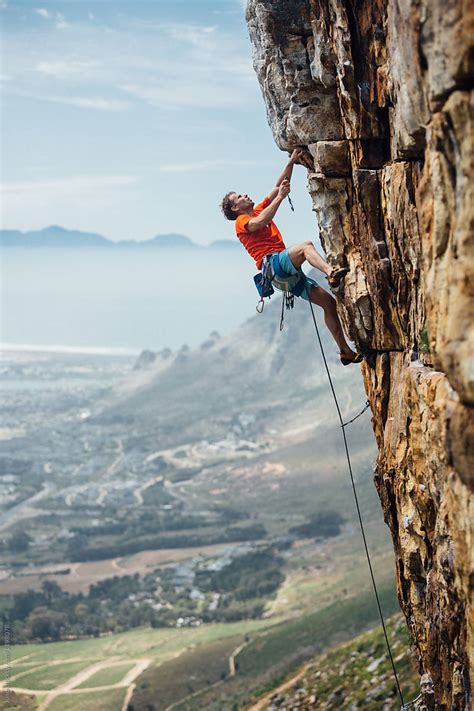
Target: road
24, 509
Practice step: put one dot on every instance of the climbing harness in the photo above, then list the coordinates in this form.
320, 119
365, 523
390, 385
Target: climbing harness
263, 281
349, 464
271, 273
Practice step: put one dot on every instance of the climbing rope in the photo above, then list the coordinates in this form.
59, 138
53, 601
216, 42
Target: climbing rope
361, 523
412, 704
366, 407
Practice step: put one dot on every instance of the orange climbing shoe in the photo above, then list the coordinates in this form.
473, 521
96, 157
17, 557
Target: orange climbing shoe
348, 358
336, 276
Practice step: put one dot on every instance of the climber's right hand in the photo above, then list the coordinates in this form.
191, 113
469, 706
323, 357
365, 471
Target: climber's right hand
284, 189
296, 155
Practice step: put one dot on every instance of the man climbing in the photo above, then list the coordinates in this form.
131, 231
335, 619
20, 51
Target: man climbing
262, 239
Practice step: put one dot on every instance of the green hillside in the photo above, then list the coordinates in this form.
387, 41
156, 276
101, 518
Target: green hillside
354, 675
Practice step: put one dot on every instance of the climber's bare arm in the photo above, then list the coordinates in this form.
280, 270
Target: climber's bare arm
267, 215
287, 172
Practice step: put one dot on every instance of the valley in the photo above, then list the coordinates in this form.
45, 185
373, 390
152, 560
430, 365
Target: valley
146, 497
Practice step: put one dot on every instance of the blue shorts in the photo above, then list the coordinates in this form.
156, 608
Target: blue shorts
288, 267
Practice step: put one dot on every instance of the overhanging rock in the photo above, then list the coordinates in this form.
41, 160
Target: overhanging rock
380, 96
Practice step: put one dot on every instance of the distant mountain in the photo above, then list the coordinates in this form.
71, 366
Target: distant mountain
170, 240
55, 236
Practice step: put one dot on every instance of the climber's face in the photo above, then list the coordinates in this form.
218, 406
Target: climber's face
242, 203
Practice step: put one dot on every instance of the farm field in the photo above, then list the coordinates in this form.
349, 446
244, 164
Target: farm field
105, 669
317, 593
212, 667
262, 661
81, 576
103, 700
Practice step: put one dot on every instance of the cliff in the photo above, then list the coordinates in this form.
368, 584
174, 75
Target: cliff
380, 96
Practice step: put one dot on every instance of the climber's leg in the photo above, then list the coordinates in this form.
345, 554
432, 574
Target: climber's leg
328, 304
306, 252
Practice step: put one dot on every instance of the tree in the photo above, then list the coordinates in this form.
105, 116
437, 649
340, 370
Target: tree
76, 546
51, 591
19, 542
323, 524
24, 603
46, 624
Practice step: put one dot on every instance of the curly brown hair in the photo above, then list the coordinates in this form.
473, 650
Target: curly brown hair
226, 206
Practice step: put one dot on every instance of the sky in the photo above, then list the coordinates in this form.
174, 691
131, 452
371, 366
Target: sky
133, 118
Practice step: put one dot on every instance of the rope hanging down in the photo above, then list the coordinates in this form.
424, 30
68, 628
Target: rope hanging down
366, 407
412, 704
369, 562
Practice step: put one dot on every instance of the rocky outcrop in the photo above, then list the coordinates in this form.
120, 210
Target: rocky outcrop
380, 96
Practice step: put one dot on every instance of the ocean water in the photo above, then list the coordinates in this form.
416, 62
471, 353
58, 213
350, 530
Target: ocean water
122, 299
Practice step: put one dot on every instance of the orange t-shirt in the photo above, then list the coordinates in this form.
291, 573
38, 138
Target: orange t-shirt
263, 241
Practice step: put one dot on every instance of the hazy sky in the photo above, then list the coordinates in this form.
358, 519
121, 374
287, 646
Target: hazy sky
131, 118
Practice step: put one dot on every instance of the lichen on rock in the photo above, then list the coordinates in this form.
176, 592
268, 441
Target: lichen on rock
379, 94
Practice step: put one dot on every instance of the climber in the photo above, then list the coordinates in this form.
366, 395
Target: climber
262, 239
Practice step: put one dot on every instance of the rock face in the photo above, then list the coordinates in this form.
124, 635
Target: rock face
379, 93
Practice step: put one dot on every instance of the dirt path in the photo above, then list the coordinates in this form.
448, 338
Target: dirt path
69, 687
112, 468
128, 697
118, 567
233, 656
24, 509
72, 682
139, 668
136, 671
18, 660
191, 696
263, 703
138, 494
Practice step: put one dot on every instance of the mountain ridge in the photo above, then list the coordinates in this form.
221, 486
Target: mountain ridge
56, 236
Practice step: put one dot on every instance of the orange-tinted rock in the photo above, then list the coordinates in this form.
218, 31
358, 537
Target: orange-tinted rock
381, 97
447, 199
331, 158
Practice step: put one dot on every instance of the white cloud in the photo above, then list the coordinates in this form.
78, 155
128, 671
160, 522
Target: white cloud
68, 185
198, 36
205, 165
59, 20
63, 68
98, 103
61, 23
207, 69
183, 93
212, 84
